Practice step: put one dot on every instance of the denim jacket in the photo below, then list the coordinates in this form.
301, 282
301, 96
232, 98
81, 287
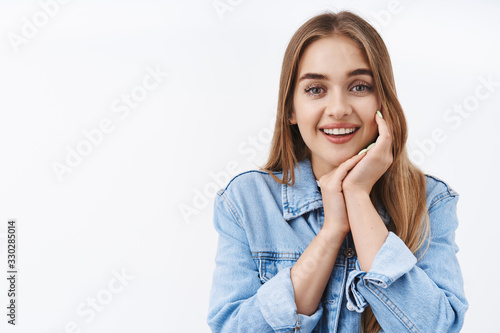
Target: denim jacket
265, 226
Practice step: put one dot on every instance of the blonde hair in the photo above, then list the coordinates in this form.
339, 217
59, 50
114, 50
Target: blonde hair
401, 189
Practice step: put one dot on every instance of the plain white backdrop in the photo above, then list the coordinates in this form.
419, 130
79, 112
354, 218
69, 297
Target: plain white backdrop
120, 119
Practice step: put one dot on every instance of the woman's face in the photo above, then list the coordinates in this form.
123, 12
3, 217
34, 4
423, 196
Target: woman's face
335, 91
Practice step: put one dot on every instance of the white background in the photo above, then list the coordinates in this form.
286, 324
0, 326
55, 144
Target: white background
119, 209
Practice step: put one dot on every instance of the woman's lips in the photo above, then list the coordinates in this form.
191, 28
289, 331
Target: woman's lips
340, 139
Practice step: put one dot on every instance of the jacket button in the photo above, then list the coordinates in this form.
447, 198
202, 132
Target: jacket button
349, 252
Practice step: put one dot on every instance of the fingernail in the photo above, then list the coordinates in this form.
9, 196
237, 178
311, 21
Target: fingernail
363, 151
380, 114
368, 148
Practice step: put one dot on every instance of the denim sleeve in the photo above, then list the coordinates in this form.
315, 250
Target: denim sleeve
238, 301
407, 295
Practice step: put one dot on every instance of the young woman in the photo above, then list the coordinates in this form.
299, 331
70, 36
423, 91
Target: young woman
339, 231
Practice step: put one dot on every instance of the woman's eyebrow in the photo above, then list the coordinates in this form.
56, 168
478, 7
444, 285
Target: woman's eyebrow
313, 76
360, 71
316, 76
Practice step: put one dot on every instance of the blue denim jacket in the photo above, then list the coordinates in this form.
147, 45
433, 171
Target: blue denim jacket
265, 226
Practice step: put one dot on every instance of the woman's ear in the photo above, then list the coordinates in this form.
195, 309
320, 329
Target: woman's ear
291, 119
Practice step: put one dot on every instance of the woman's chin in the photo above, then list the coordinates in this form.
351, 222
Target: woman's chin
334, 159
335, 162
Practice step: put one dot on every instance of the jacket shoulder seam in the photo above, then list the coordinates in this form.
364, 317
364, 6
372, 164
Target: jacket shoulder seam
448, 192
222, 190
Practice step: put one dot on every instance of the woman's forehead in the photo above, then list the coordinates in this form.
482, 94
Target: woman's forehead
333, 56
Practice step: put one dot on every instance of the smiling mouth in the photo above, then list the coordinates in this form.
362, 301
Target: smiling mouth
339, 132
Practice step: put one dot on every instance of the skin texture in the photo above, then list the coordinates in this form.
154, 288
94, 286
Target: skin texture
345, 178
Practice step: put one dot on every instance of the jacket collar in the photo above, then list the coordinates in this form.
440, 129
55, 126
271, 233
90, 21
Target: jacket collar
304, 196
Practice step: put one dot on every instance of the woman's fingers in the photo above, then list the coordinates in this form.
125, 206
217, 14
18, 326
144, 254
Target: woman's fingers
381, 149
339, 174
383, 129
384, 141
345, 167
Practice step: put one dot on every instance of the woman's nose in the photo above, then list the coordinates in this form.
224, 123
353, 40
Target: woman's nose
338, 105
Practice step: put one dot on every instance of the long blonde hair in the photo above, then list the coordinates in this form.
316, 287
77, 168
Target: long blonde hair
401, 189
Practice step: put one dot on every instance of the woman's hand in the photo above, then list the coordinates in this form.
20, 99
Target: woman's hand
333, 199
378, 159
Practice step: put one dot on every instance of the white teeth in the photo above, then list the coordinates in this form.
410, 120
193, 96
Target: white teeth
337, 131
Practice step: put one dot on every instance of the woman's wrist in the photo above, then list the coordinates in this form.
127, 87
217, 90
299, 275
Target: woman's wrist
333, 235
355, 193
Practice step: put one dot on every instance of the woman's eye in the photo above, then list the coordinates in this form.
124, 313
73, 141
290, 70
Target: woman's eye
361, 88
314, 90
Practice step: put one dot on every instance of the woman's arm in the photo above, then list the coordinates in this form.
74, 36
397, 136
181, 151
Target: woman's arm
239, 302
410, 296
368, 230
292, 298
405, 295
311, 272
